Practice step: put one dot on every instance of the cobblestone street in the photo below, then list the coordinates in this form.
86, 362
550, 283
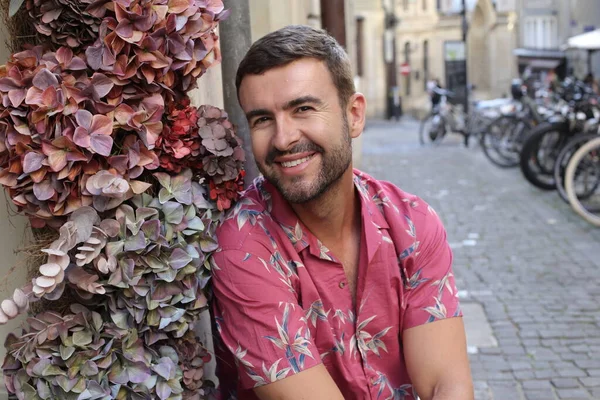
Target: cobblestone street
522, 254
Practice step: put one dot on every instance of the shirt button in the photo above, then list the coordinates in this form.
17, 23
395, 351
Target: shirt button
342, 284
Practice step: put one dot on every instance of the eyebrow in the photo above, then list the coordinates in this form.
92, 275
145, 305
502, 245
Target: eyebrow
290, 104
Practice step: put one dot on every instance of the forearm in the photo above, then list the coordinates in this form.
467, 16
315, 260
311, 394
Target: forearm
453, 391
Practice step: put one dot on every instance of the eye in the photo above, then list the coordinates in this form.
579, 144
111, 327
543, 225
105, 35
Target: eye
304, 109
261, 120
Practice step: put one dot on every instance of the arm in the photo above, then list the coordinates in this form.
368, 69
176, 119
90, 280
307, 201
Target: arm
433, 338
437, 362
312, 384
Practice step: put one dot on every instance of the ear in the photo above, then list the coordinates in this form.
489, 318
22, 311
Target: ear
356, 113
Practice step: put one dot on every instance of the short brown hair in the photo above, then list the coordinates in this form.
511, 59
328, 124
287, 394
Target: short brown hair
292, 43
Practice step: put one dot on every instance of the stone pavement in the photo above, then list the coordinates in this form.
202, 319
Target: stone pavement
522, 254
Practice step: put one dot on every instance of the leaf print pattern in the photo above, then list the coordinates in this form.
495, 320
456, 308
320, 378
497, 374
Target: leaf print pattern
408, 251
411, 227
265, 196
445, 282
324, 252
402, 392
268, 234
292, 346
272, 374
277, 263
437, 312
315, 312
362, 186
239, 356
295, 234
415, 280
363, 342
380, 199
339, 345
339, 314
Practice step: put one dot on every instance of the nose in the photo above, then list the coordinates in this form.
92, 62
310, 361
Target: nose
287, 134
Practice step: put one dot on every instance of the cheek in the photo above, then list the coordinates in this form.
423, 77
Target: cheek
260, 146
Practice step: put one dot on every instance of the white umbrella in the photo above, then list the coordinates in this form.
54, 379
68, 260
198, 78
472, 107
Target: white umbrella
589, 41
585, 41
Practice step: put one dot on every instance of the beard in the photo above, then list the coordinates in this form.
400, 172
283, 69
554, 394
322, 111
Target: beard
334, 163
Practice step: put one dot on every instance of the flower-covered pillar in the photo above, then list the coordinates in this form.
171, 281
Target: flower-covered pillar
101, 147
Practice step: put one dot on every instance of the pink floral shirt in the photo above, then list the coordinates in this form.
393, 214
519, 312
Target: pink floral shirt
282, 303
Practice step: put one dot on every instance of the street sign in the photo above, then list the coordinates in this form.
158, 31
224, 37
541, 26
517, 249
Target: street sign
405, 69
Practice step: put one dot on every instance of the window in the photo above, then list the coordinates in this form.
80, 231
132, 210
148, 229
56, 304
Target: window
425, 63
541, 32
359, 45
407, 61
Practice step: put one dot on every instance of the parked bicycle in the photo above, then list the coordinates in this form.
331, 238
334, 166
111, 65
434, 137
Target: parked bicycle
449, 117
502, 139
582, 181
554, 137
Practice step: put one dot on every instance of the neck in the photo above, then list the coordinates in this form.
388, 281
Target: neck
333, 214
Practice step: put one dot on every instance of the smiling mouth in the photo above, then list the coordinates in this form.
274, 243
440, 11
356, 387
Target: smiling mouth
290, 164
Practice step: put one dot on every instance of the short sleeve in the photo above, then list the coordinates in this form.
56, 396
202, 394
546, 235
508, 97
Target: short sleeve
431, 292
258, 316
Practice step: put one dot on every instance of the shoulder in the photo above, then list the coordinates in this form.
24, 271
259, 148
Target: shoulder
387, 195
246, 221
400, 209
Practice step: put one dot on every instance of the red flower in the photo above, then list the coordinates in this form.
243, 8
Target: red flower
226, 192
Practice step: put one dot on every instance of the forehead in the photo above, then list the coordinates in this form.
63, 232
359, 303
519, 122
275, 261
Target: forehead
279, 85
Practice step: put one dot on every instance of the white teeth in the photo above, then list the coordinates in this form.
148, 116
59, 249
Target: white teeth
289, 164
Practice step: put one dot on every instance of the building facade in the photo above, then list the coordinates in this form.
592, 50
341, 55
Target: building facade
584, 17
429, 39
546, 27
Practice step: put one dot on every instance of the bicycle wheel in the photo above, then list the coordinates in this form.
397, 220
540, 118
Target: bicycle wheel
586, 160
582, 191
539, 154
501, 141
432, 130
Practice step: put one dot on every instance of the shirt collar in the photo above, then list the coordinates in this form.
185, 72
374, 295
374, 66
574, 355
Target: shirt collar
372, 216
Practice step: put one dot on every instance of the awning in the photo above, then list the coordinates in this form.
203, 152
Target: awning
542, 64
585, 41
539, 53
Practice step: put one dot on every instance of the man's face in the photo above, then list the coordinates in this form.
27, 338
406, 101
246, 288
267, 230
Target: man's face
300, 135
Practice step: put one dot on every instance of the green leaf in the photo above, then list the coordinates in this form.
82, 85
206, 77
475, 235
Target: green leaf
89, 369
53, 370
29, 392
153, 318
82, 338
168, 351
173, 212
79, 386
165, 368
65, 383
164, 195
163, 390
120, 318
164, 179
138, 372
44, 390
66, 352
14, 7
179, 258
168, 275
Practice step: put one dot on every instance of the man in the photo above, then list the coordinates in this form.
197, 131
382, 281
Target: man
328, 283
